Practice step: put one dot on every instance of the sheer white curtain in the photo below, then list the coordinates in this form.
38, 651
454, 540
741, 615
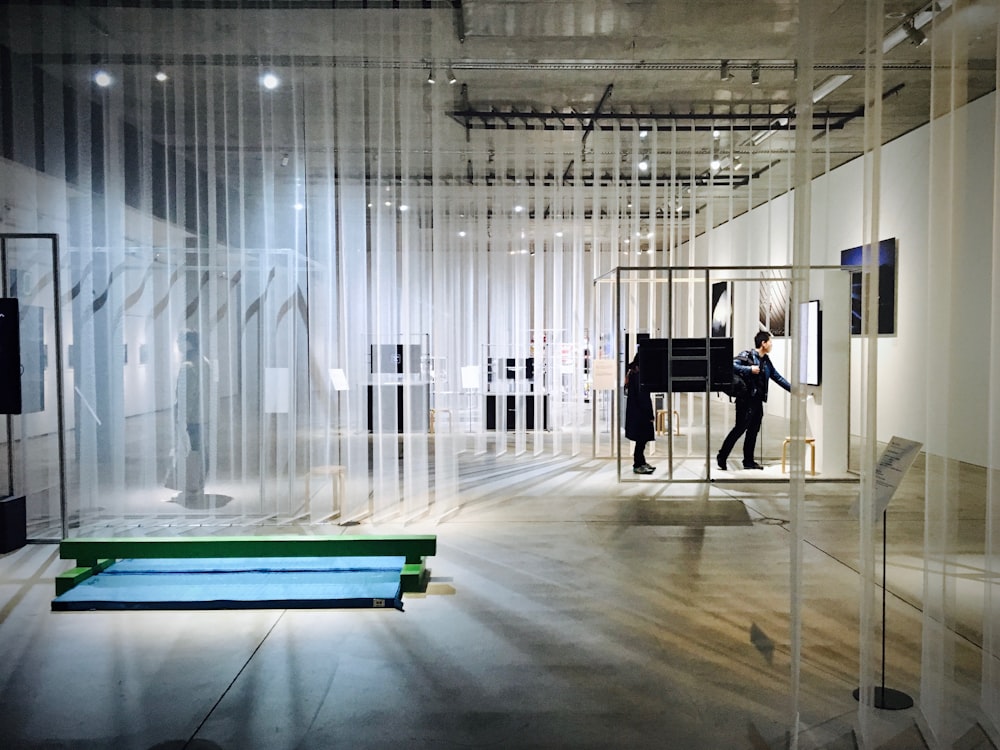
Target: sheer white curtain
960, 275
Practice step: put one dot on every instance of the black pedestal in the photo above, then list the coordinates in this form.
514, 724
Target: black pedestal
13, 524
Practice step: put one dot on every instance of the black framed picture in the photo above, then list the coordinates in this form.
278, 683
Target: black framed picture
722, 309
887, 251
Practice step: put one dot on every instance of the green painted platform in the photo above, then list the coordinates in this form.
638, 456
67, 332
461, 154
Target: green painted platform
93, 555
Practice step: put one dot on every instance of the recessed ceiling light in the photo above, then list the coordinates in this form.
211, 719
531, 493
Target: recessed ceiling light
161, 76
715, 164
462, 233
270, 81
518, 209
103, 78
404, 207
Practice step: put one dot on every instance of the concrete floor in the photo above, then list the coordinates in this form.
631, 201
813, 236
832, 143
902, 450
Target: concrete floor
566, 610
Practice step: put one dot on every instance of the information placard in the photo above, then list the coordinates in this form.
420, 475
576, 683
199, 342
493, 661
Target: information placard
892, 465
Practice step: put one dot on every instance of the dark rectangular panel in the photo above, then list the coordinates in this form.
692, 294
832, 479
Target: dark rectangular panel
10, 357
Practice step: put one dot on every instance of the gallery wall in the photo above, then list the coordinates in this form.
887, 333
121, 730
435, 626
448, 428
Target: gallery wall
762, 236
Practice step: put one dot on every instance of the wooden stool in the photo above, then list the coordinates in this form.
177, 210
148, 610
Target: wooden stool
811, 442
338, 478
661, 422
434, 415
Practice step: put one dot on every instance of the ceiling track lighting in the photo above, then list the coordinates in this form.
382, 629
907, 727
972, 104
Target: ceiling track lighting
755, 74
451, 76
910, 29
430, 75
724, 74
916, 36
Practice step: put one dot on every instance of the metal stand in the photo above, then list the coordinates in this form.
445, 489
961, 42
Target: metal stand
886, 698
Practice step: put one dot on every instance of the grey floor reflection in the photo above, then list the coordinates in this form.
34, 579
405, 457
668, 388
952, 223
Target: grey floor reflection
201, 500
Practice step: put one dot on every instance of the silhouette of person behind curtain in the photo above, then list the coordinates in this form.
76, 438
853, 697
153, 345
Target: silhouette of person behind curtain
191, 408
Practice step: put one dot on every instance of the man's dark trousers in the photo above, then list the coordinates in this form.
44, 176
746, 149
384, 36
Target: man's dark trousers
749, 414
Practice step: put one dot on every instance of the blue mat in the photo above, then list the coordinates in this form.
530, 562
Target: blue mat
241, 583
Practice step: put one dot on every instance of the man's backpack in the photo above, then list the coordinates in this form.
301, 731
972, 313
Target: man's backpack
741, 387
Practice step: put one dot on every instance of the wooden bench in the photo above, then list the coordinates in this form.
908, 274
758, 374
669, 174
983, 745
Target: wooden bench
93, 555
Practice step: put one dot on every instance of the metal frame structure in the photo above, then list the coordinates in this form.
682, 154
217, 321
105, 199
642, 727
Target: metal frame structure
60, 405
615, 276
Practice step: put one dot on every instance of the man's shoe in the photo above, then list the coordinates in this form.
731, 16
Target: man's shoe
650, 469
644, 469
720, 462
754, 465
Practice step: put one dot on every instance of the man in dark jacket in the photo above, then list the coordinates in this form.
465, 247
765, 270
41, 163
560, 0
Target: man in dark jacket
750, 407
639, 418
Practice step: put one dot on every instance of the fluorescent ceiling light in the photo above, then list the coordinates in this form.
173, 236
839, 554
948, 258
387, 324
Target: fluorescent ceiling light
830, 85
824, 89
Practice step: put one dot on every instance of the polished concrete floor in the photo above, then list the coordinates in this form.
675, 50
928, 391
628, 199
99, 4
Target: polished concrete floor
566, 610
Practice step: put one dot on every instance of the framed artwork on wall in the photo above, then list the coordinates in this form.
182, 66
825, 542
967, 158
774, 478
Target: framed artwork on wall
886, 286
722, 309
774, 295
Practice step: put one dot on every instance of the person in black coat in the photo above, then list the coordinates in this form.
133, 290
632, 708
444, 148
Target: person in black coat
750, 406
639, 418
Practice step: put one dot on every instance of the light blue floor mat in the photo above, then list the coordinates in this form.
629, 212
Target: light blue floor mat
240, 583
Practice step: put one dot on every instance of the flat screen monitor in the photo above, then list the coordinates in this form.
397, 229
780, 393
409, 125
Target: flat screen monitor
811, 353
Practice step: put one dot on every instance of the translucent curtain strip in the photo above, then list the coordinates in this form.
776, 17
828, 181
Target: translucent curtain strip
451, 256
949, 285
868, 621
990, 695
801, 259
416, 320
354, 201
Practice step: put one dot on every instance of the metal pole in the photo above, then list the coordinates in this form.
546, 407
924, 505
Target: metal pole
60, 409
10, 421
